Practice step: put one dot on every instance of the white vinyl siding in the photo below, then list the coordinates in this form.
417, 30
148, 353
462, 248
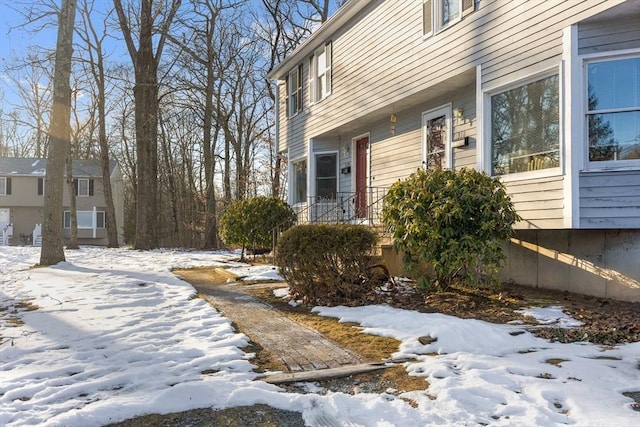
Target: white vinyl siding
610, 199
382, 63
604, 36
540, 201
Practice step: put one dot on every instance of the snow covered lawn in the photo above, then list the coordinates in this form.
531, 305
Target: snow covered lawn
113, 334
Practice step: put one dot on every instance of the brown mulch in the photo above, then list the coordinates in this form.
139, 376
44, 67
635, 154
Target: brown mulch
604, 321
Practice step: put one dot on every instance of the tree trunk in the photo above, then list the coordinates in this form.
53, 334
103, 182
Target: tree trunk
52, 250
145, 93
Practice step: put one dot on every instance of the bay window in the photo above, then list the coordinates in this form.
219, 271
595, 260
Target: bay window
525, 127
613, 110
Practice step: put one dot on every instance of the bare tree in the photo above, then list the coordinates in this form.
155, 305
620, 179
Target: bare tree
60, 130
92, 41
31, 78
145, 62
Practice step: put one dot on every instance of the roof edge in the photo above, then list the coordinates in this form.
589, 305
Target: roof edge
337, 20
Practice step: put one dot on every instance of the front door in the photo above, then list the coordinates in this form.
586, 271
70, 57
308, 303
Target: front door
362, 145
5, 217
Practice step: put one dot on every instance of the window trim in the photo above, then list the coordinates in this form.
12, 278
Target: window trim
443, 110
315, 173
605, 165
4, 187
89, 187
486, 105
315, 95
432, 9
297, 93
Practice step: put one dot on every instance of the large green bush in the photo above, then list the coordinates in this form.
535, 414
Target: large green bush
453, 221
327, 262
250, 222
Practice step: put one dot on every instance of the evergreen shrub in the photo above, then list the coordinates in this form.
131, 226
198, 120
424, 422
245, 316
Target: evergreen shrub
455, 221
326, 262
250, 222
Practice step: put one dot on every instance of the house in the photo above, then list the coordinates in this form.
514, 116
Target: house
22, 188
543, 94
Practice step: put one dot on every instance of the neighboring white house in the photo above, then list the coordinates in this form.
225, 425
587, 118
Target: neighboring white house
22, 189
544, 94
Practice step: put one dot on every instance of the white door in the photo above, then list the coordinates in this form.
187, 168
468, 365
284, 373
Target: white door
5, 217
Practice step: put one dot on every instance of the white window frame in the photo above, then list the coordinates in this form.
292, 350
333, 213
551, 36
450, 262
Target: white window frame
443, 110
488, 149
3, 185
317, 75
292, 182
631, 164
294, 93
437, 14
315, 171
80, 193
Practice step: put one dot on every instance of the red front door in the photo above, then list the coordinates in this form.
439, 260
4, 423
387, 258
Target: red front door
361, 177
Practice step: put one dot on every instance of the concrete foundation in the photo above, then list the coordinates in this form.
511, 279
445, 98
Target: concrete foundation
602, 263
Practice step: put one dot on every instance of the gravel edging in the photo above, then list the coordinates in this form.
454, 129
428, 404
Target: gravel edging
255, 415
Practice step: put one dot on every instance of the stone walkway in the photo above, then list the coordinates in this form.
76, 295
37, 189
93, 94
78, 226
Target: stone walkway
302, 353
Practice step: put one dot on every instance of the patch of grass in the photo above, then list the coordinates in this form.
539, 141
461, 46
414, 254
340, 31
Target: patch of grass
556, 362
348, 335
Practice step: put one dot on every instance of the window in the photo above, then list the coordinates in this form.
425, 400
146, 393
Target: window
320, 75
613, 110
41, 186
525, 128
326, 176
439, 14
83, 186
85, 219
436, 125
294, 91
5, 186
299, 181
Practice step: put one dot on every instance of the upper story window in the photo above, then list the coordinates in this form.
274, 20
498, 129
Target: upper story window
294, 91
5, 186
320, 74
525, 127
613, 111
83, 186
41, 182
439, 14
